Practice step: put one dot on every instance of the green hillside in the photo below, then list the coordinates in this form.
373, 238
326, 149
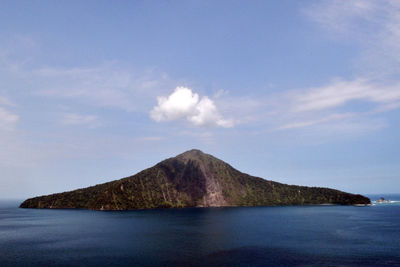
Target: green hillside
191, 179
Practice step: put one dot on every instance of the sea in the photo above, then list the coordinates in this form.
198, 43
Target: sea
235, 236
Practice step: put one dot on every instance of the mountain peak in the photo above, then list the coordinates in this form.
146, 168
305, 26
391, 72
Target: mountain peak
194, 151
193, 154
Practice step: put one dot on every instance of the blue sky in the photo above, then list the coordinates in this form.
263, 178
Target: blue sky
301, 92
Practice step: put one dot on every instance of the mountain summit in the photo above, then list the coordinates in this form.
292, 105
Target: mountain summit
191, 179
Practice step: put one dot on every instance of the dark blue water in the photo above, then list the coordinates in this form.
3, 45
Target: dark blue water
311, 235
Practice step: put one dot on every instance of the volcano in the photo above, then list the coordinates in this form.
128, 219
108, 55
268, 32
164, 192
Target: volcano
191, 179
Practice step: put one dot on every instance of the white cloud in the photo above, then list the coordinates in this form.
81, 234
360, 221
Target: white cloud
178, 105
183, 104
206, 114
77, 119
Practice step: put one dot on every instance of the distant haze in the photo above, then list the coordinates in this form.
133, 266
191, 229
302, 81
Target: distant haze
303, 93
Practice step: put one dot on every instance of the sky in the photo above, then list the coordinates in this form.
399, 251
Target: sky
300, 92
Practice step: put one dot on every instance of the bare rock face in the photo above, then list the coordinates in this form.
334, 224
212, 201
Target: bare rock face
191, 179
213, 196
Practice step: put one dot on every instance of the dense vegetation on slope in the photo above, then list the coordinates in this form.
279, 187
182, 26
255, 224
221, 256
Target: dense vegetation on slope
191, 179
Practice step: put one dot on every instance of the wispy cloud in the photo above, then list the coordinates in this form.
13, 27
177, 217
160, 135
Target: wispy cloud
338, 102
343, 18
183, 104
150, 138
74, 119
104, 86
340, 92
374, 25
112, 86
4, 101
307, 123
7, 119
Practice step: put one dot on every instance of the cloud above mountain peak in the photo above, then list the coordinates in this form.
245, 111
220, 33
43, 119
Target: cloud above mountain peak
184, 104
